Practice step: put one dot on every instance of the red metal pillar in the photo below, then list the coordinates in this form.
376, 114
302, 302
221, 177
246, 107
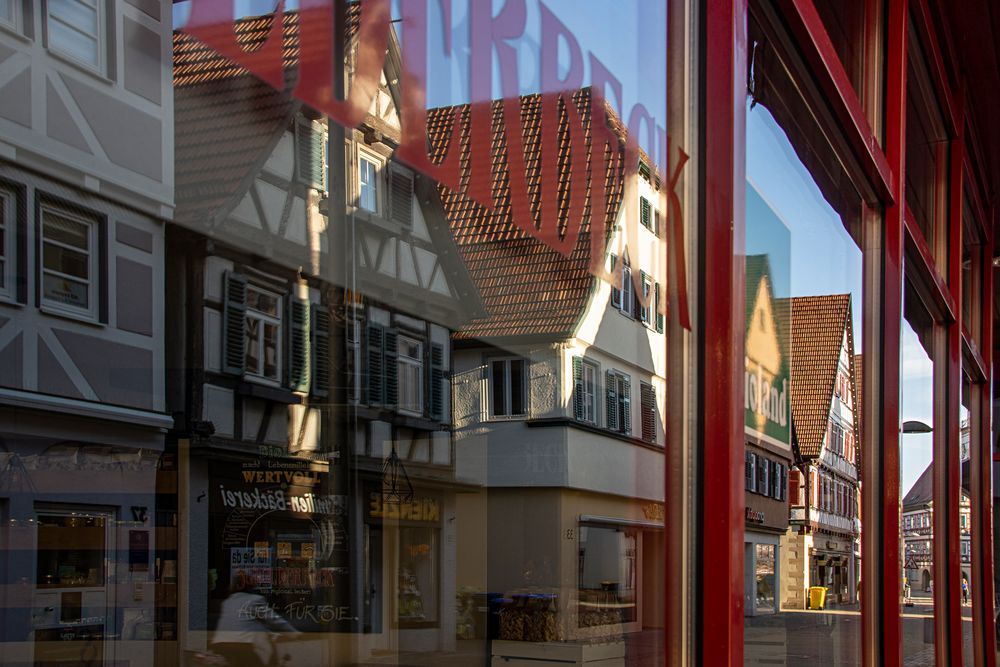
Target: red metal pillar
881, 562
981, 476
946, 593
720, 570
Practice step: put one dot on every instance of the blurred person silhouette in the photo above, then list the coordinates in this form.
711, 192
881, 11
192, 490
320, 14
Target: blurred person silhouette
246, 620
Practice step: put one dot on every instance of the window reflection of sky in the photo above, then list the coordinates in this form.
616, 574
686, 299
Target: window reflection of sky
825, 260
629, 38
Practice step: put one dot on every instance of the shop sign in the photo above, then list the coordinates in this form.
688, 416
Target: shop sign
278, 500
298, 477
424, 510
653, 511
766, 382
211, 21
754, 516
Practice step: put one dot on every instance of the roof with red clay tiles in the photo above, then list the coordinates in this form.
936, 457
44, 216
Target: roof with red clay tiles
527, 287
818, 324
228, 121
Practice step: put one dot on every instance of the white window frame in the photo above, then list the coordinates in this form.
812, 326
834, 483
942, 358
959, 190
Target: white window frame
379, 166
628, 292
589, 400
101, 38
405, 366
8, 246
507, 388
647, 292
90, 313
15, 21
263, 318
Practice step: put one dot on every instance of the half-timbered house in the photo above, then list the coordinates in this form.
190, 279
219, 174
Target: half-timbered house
316, 287
86, 182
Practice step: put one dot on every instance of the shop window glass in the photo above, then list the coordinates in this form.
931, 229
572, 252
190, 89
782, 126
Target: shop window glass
926, 152
418, 575
917, 418
71, 550
608, 576
803, 349
962, 458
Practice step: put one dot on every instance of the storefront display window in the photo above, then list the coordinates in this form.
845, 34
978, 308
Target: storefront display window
608, 576
418, 575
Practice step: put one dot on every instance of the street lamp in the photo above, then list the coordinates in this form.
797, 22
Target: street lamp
915, 426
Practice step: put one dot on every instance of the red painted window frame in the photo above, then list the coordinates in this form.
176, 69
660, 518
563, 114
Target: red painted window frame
723, 230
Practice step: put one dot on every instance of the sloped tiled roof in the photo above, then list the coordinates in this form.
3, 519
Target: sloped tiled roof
922, 492
226, 119
527, 287
818, 324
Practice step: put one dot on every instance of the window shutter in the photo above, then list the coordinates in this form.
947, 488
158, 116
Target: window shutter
320, 351
577, 388
762, 476
626, 405
234, 340
648, 399
616, 294
611, 401
390, 350
645, 213
656, 304
747, 470
299, 354
752, 486
311, 155
402, 198
437, 381
375, 374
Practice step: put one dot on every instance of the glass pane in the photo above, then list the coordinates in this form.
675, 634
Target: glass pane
271, 352
66, 261
66, 291
802, 381
65, 230
964, 584
71, 551
68, 39
498, 389
253, 345
517, 387
917, 483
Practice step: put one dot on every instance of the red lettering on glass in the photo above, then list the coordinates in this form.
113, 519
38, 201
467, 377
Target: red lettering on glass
212, 22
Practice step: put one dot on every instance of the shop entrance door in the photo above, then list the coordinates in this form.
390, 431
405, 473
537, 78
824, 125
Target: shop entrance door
72, 617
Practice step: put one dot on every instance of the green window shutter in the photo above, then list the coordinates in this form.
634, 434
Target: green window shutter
656, 304
234, 342
298, 344
375, 372
616, 294
645, 213
311, 150
626, 402
402, 198
611, 400
320, 385
438, 385
656, 222
390, 350
577, 388
648, 408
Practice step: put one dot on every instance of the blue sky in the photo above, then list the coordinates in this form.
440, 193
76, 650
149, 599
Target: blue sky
825, 260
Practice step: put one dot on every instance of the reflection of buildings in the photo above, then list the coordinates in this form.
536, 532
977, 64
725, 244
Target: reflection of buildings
918, 532
311, 364
82, 332
768, 429
824, 526
559, 397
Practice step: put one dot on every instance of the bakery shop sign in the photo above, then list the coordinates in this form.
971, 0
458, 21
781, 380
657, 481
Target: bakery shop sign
212, 22
754, 516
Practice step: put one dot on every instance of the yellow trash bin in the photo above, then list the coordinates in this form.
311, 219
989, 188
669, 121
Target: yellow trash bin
817, 597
